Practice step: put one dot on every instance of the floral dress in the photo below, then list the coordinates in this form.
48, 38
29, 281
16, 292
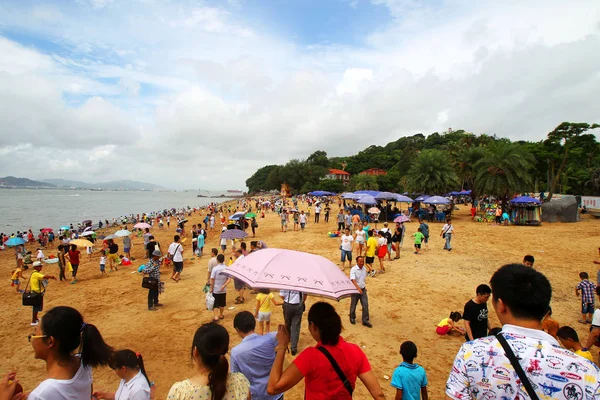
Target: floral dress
238, 388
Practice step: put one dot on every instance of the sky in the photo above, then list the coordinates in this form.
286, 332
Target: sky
199, 94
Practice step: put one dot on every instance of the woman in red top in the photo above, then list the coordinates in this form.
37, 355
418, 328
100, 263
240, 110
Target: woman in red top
321, 379
73, 257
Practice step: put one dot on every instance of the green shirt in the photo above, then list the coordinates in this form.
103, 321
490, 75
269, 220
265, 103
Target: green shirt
418, 237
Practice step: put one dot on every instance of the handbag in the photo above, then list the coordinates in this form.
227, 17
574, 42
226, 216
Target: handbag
149, 283
171, 256
210, 301
518, 369
32, 299
337, 369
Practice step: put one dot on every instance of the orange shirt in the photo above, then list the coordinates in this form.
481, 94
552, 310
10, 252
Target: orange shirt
551, 326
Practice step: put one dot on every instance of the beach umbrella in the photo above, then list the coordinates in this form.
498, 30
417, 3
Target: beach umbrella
87, 228
65, 228
386, 196
464, 193
347, 195
369, 192
374, 210
422, 197
524, 200
250, 215
401, 218
234, 226
16, 241
142, 225
81, 243
45, 230
122, 233
281, 269
403, 199
237, 215
87, 233
367, 199
233, 234
436, 200
109, 237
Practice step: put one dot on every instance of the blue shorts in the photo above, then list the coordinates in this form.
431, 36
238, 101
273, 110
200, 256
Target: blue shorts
346, 254
587, 308
126, 249
102, 267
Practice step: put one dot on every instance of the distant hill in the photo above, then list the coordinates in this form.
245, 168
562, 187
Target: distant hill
11, 181
112, 185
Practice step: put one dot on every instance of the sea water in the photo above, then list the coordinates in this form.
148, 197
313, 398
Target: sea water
22, 209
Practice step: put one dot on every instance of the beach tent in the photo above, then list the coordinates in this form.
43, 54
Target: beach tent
526, 211
564, 209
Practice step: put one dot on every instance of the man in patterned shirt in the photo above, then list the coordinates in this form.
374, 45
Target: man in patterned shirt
152, 269
481, 370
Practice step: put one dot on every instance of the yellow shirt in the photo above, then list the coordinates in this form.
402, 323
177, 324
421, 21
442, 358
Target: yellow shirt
585, 354
371, 247
265, 301
34, 281
444, 323
15, 274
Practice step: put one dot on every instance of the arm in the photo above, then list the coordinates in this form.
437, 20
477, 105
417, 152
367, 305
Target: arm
592, 337
276, 302
281, 381
212, 284
370, 381
226, 283
49, 277
398, 394
577, 291
424, 394
355, 285
257, 308
104, 395
468, 329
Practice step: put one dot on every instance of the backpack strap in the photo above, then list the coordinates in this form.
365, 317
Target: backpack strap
517, 366
337, 369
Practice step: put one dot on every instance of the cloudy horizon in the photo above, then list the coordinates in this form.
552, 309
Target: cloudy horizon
199, 94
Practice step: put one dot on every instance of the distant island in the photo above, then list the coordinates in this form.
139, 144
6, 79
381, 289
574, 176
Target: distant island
10, 182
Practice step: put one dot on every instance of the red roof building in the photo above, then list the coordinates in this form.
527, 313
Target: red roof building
373, 171
338, 174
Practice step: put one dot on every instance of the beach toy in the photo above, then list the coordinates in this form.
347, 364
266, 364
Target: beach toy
333, 234
51, 260
141, 268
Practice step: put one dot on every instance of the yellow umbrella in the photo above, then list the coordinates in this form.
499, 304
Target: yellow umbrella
82, 243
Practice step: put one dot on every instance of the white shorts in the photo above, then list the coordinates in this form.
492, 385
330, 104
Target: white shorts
264, 316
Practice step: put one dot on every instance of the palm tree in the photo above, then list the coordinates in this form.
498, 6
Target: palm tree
504, 170
431, 173
364, 182
465, 163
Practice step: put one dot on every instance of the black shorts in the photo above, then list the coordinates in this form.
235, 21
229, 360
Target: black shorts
178, 266
369, 260
417, 246
220, 299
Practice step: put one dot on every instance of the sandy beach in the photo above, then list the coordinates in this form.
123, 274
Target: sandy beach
406, 303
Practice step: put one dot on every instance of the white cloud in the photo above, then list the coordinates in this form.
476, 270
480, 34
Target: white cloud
221, 97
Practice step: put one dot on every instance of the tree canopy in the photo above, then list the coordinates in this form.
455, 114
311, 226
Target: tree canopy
566, 161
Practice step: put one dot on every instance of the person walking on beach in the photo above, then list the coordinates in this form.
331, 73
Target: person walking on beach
317, 212
587, 289
293, 308
340, 220
147, 238
284, 220
37, 285
425, 231
358, 276
409, 379
303, 220
346, 242
447, 232
127, 246
152, 269
475, 314
254, 356
176, 255
73, 257
218, 287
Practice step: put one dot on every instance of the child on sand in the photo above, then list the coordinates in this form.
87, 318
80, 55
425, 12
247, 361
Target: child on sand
447, 326
409, 379
40, 255
17, 274
569, 339
103, 262
419, 237
264, 306
587, 297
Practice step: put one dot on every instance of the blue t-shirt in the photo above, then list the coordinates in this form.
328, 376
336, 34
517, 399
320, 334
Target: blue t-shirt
424, 229
409, 378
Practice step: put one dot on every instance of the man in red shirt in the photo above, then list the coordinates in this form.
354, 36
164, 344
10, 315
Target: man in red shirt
73, 257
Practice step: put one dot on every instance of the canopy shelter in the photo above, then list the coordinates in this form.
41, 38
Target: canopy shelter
526, 210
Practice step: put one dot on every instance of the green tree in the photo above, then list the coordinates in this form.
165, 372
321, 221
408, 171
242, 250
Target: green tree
505, 169
363, 182
431, 173
258, 181
319, 157
560, 143
465, 163
331, 185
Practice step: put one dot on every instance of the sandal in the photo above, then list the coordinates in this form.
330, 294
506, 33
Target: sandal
582, 321
221, 317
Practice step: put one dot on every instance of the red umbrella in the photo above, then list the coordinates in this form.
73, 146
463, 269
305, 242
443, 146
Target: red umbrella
47, 230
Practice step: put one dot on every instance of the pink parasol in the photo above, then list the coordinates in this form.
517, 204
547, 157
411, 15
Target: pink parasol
401, 218
142, 225
46, 230
292, 270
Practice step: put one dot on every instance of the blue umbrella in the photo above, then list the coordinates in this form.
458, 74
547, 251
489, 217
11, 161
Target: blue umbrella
436, 200
369, 192
16, 241
422, 197
65, 228
367, 199
464, 192
232, 234
347, 195
386, 196
237, 215
403, 199
525, 200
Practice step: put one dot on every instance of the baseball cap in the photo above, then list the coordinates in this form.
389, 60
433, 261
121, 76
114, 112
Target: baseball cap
37, 264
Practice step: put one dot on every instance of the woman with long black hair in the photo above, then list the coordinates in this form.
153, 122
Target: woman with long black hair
212, 379
134, 385
70, 347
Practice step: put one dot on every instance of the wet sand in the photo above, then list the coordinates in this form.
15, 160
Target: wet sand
406, 303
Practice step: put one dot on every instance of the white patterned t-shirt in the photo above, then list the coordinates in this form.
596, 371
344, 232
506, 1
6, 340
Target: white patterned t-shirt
482, 371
